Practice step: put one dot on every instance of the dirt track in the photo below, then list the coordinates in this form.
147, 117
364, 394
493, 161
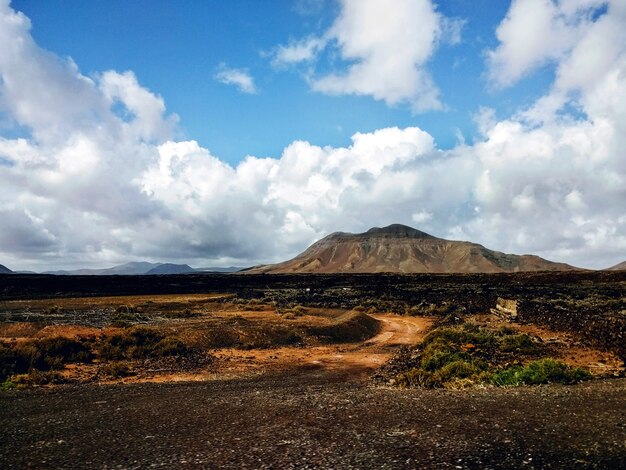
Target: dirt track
352, 361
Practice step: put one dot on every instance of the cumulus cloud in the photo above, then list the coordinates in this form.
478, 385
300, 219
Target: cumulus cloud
387, 48
99, 179
536, 32
237, 77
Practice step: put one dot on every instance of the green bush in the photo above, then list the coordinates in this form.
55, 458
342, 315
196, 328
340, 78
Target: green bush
521, 343
459, 356
415, 378
436, 359
456, 369
33, 377
542, 371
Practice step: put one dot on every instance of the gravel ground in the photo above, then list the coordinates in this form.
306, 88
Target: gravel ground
313, 420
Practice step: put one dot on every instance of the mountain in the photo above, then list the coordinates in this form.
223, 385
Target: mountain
214, 269
169, 268
129, 269
401, 249
5, 270
618, 267
135, 267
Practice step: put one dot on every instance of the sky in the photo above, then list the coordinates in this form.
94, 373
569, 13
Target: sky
235, 133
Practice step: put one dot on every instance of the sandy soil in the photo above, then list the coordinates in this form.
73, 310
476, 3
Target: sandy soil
354, 361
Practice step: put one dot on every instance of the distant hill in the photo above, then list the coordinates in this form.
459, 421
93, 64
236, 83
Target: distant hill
169, 268
5, 270
401, 249
228, 269
129, 269
618, 267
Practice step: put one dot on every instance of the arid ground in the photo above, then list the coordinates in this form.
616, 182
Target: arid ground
283, 377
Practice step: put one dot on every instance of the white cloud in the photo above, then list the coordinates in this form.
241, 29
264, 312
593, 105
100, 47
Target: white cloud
536, 32
304, 50
237, 77
101, 180
388, 48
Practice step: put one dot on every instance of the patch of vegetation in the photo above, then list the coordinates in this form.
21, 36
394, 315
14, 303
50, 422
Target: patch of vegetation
139, 343
42, 355
542, 371
30, 379
443, 309
53, 310
115, 369
186, 313
456, 357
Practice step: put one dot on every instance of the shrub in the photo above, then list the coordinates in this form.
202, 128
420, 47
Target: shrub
34, 377
455, 370
454, 357
53, 310
140, 343
115, 369
42, 354
415, 378
170, 347
436, 359
187, 313
542, 371
521, 343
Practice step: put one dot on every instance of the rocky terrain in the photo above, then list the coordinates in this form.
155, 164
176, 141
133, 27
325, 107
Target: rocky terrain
284, 387
313, 421
401, 249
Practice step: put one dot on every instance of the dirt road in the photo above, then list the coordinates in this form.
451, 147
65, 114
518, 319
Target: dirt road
350, 361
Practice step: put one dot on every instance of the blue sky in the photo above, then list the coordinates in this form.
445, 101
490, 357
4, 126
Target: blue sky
175, 49
238, 132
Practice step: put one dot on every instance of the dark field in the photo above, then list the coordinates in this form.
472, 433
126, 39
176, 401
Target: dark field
591, 305
286, 371
305, 422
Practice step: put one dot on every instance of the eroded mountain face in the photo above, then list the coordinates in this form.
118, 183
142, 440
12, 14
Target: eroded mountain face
401, 249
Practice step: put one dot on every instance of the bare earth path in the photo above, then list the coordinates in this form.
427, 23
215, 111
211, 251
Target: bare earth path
351, 361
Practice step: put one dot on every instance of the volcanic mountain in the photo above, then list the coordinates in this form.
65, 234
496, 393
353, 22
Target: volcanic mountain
401, 249
618, 267
5, 270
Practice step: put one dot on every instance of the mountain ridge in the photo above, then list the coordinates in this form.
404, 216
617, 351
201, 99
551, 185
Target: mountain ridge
401, 249
618, 267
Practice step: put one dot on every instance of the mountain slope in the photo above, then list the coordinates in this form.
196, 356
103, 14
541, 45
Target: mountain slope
5, 270
134, 267
129, 269
401, 249
169, 268
618, 267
